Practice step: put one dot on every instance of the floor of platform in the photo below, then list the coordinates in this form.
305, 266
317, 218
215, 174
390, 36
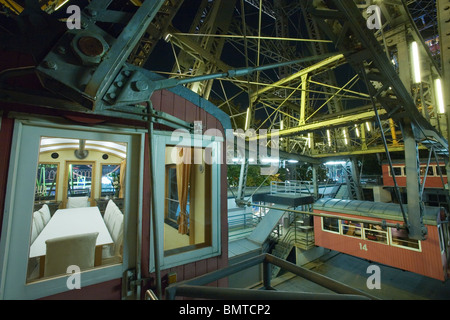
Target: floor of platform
395, 284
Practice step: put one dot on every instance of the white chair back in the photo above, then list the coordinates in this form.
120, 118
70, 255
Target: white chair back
78, 250
110, 209
34, 232
37, 218
114, 221
78, 202
45, 214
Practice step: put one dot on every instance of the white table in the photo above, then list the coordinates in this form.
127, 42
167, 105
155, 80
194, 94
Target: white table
67, 222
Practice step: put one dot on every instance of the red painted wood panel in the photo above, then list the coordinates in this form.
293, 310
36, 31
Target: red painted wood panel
179, 107
427, 262
167, 102
191, 112
156, 100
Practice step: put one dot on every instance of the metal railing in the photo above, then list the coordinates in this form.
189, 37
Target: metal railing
290, 186
197, 287
240, 225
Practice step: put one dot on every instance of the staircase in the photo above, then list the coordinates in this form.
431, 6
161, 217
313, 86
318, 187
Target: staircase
265, 227
296, 236
353, 188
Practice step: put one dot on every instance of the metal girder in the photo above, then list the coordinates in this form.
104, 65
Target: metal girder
329, 77
394, 94
340, 121
348, 29
156, 30
88, 82
216, 20
334, 60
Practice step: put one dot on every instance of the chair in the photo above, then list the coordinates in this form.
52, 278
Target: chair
63, 252
34, 231
115, 250
45, 214
37, 218
78, 202
111, 207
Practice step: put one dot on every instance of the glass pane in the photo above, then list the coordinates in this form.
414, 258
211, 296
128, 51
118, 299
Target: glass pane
110, 180
80, 179
423, 169
187, 228
397, 171
46, 182
331, 224
173, 206
400, 238
350, 228
375, 233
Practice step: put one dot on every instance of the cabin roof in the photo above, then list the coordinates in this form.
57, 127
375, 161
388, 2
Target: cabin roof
380, 210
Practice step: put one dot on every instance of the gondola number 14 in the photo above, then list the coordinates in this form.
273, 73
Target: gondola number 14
363, 246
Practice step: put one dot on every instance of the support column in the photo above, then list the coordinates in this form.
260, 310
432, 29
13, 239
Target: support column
404, 57
356, 179
315, 178
303, 102
415, 206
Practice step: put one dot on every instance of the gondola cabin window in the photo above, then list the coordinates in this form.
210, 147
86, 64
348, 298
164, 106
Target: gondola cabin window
80, 180
352, 229
111, 181
67, 192
187, 177
44, 241
330, 224
370, 232
172, 204
187, 209
375, 233
400, 238
46, 182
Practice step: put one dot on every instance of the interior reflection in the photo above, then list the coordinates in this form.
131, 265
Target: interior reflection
78, 216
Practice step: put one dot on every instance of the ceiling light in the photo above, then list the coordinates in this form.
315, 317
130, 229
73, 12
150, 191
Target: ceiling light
416, 62
440, 96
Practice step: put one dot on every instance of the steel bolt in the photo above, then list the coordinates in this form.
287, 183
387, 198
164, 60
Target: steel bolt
141, 85
49, 64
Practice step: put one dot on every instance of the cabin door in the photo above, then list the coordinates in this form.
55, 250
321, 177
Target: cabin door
44, 174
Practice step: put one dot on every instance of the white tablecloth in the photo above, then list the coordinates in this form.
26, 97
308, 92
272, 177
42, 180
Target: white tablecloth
67, 222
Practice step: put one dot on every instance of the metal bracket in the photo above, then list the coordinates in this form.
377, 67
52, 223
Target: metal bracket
131, 281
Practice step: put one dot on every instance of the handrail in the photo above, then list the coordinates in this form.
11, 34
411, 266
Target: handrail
290, 186
243, 220
150, 295
197, 287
